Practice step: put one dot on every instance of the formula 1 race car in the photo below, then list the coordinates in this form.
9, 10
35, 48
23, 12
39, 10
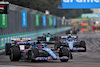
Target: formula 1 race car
48, 38
72, 31
72, 43
33, 51
14, 42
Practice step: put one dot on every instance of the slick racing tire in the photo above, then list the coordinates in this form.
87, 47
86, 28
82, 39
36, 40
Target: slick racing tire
15, 54
64, 52
43, 39
57, 45
33, 53
83, 44
75, 32
39, 38
78, 30
68, 32
56, 38
70, 55
7, 48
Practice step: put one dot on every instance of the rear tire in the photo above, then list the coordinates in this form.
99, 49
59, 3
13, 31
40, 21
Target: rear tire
57, 45
15, 54
56, 38
39, 38
75, 32
64, 52
7, 48
68, 32
83, 44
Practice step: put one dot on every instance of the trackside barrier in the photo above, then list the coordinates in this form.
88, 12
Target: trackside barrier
33, 35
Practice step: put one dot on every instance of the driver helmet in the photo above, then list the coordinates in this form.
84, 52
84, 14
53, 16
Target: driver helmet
48, 32
21, 37
69, 35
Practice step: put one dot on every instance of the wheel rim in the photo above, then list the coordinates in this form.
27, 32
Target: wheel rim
11, 56
31, 56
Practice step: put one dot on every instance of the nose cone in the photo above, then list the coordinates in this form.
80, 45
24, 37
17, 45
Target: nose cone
47, 39
71, 45
49, 51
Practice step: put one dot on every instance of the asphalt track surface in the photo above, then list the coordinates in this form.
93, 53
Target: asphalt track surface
91, 58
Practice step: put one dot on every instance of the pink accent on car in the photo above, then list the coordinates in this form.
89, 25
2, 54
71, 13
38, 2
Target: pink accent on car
50, 58
58, 57
26, 52
61, 36
68, 49
78, 48
37, 58
58, 49
83, 48
74, 49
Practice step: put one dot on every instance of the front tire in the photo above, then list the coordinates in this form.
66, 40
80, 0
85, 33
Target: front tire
83, 44
32, 54
15, 54
7, 48
57, 45
64, 52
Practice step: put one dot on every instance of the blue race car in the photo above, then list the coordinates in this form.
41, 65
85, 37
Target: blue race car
33, 51
72, 43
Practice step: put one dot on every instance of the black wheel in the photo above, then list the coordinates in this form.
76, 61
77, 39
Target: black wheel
64, 52
57, 45
32, 54
83, 44
78, 30
35, 51
7, 48
39, 38
56, 38
43, 39
70, 55
75, 32
15, 54
68, 32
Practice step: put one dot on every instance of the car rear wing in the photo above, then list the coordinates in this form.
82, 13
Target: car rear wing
25, 43
64, 37
50, 34
24, 39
